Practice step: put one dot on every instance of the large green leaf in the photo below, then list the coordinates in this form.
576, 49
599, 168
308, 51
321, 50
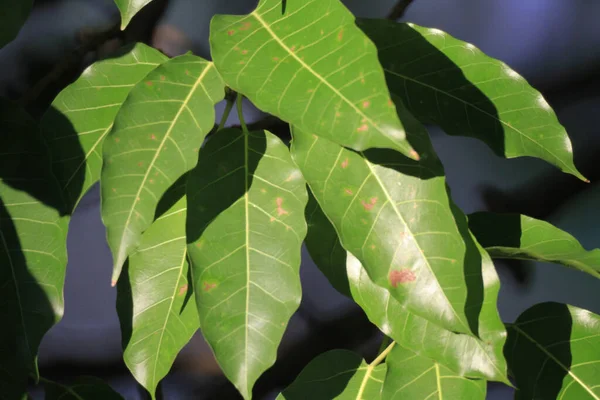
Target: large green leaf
83, 113
410, 376
154, 141
85, 388
33, 255
525, 238
12, 17
453, 84
337, 374
309, 64
553, 352
395, 215
245, 228
128, 9
156, 309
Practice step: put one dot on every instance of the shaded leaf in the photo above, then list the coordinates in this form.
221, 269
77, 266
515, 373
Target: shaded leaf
245, 228
157, 312
128, 9
525, 238
410, 376
310, 66
553, 352
337, 374
13, 16
33, 256
395, 215
452, 83
154, 141
82, 115
85, 388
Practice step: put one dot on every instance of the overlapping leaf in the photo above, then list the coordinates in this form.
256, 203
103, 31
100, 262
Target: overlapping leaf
33, 256
12, 17
395, 216
410, 376
553, 352
86, 388
307, 63
452, 83
154, 141
82, 115
245, 228
128, 9
525, 238
337, 374
157, 312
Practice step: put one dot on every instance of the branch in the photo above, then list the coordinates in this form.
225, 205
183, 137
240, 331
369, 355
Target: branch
399, 10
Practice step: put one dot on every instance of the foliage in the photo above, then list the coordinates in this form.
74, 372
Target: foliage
206, 223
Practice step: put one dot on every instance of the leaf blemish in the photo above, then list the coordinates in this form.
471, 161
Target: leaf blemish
369, 205
340, 35
280, 210
208, 286
162, 78
183, 289
366, 104
345, 163
348, 191
231, 32
362, 128
401, 276
246, 26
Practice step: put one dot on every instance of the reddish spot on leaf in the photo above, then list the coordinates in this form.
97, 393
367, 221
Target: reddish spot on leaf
151, 180
246, 26
415, 155
402, 276
275, 58
369, 205
149, 83
140, 164
153, 136
117, 140
280, 210
390, 103
231, 32
293, 48
372, 247
162, 78
272, 219
209, 286
183, 289
348, 191
244, 52
366, 104
187, 72
362, 128
340, 35
345, 163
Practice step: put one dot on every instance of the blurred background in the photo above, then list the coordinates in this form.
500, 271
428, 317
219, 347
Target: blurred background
554, 44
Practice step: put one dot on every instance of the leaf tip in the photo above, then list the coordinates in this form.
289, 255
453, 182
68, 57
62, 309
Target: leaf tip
414, 155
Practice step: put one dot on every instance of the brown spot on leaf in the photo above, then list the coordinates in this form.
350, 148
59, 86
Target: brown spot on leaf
153, 136
369, 205
244, 52
340, 35
390, 103
415, 155
348, 191
362, 128
149, 83
207, 287
372, 247
275, 58
117, 140
366, 104
293, 48
183, 289
272, 219
162, 78
231, 32
280, 210
345, 163
246, 26
187, 72
402, 276
140, 164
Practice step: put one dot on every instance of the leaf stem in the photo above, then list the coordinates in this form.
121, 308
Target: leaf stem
372, 366
399, 10
385, 342
240, 113
225, 116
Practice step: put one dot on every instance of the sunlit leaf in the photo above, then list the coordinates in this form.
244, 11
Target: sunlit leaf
394, 214
82, 115
307, 63
410, 376
86, 388
154, 141
33, 256
156, 305
451, 83
553, 352
12, 17
128, 9
245, 228
525, 238
337, 374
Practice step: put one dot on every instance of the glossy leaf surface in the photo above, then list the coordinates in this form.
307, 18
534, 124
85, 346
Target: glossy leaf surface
86, 388
396, 217
410, 376
246, 201
82, 115
307, 63
12, 17
154, 141
337, 374
553, 352
453, 84
128, 9
525, 238
33, 256
156, 305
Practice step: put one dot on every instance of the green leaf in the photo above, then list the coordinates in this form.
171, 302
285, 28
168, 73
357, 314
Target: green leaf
395, 215
85, 388
83, 113
525, 238
245, 230
453, 84
410, 376
337, 374
33, 254
128, 9
553, 353
13, 16
154, 141
156, 307
310, 65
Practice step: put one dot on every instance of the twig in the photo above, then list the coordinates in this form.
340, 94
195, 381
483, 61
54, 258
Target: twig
399, 10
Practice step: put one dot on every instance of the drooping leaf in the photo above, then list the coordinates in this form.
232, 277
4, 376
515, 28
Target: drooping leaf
337, 374
12, 16
158, 314
453, 84
83, 113
128, 9
245, 228
525, 238
410, 376
85, 388
553, 352
154, 141
309, 64
394, 214
33, 256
